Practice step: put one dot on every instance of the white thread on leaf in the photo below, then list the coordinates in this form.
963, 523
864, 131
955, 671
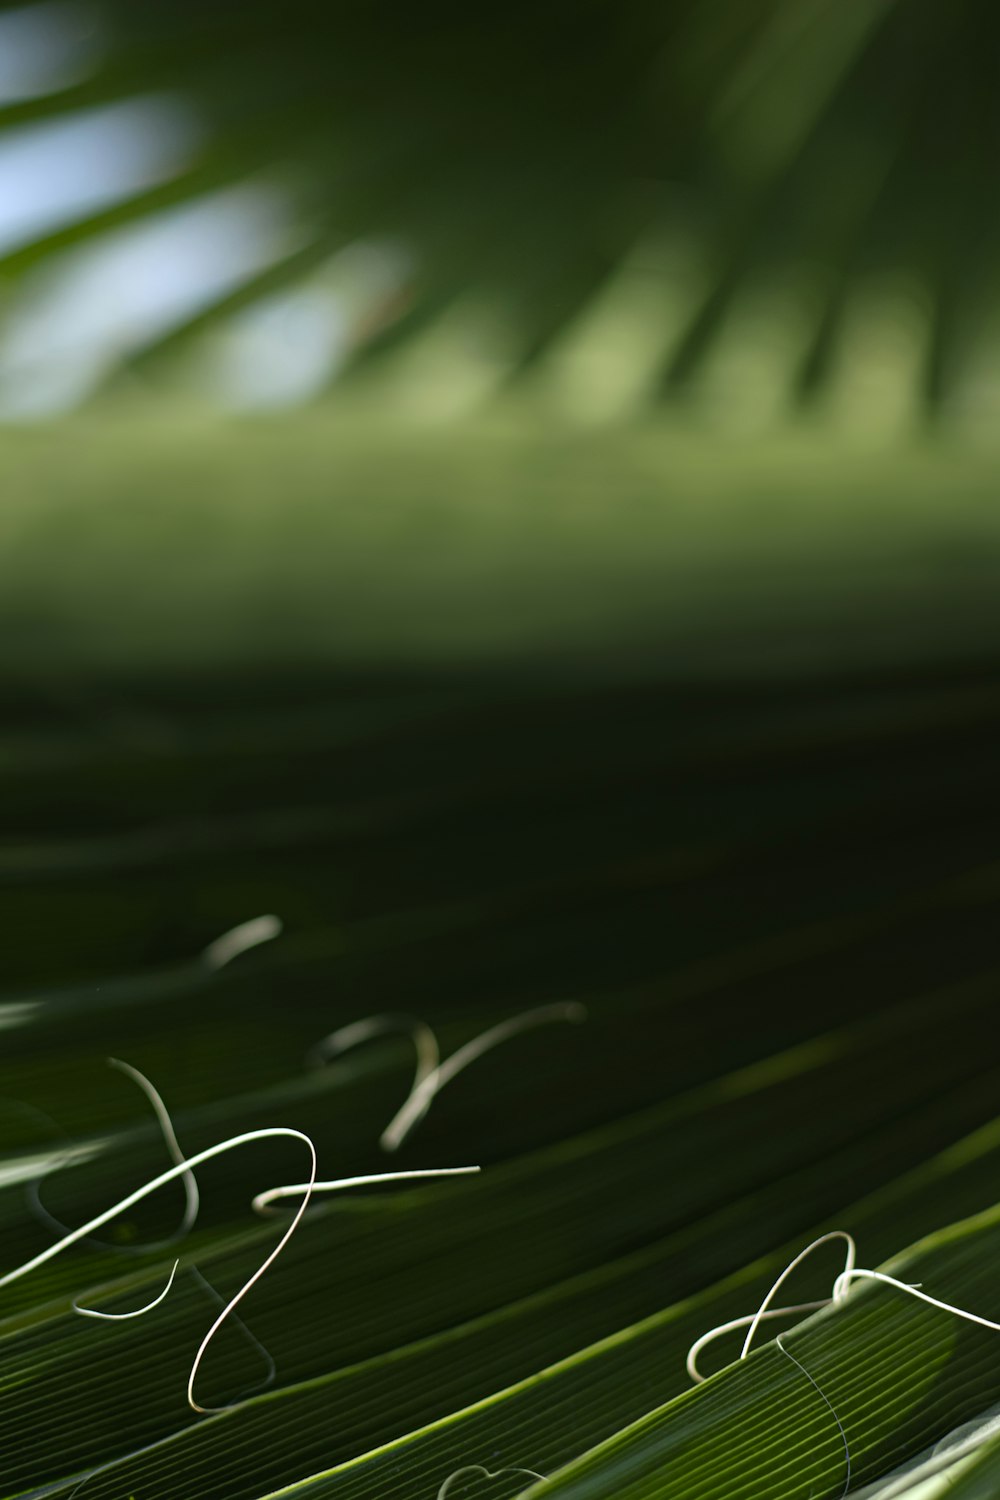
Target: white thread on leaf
267, 1133
425, 1042
841, 1289
238, 939
765, 1311
431, 1074
736, 1323
190, 1216
422, 1097
484, 1473
263, 1201
191, 1196
843, 1282
183, 1168
237, 1322
824, 1239
260, 1204
829, 1404
91, 1312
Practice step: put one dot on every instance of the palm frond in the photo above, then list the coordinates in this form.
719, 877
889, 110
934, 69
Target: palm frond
522, 157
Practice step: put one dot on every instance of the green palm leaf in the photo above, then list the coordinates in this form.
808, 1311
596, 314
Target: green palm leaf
652, 1185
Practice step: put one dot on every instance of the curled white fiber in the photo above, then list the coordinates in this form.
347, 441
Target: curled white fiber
92, 1312
183, 1168
841, 1290
483, 1474
192, 1201
431, 1074
830, 1407
192, 1204
843, 1284
238, 939
270, 1368
425, 1042
422, 1096
263, 1202
766, 1311
274, 1132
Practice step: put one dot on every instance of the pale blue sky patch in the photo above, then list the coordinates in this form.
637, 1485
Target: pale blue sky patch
56, 173
94, 306
48, 47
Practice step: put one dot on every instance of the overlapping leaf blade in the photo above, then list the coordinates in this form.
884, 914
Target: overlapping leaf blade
640, 1184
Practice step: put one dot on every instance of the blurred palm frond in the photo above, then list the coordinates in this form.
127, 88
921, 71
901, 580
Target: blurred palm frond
810, 161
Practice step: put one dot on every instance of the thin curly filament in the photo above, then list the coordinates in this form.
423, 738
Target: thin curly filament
752, 1321
845, 1279
192, 1200
734, 1324
841, 1289
267, 1359
263, 1202
483, 1474
425, 1044
273, 1132
422, 1095
139, 1312
192, 1205
239, 939
431, 1074
824, 1239
830, 1407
